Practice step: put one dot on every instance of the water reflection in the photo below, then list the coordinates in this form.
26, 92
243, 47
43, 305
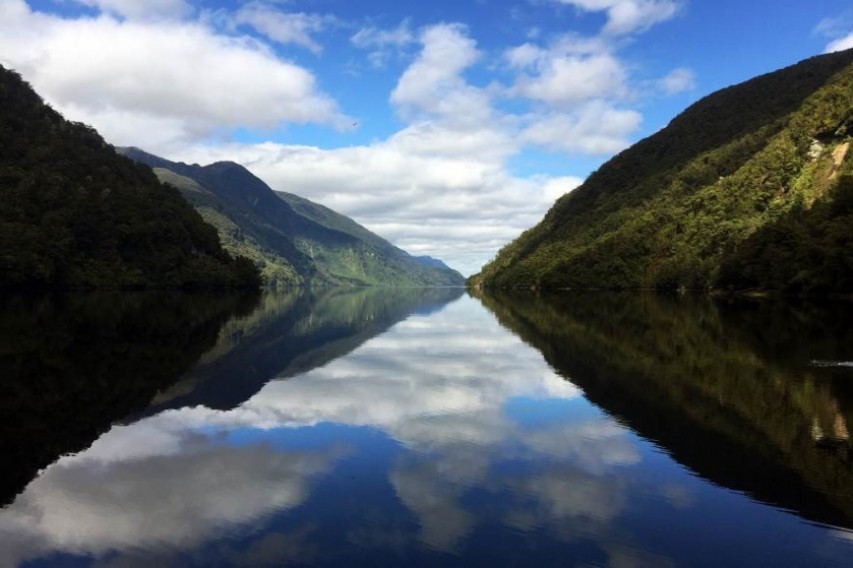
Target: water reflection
444, 440
73, 364
292, 332
730, 389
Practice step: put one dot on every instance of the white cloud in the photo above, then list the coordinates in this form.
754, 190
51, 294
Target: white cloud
678, 81
558, 187
840, 44
571, 71
441, 185
180, 75
628, 16
595, 128
283, 27
438, 186
383, 43
433, 85
135, 9
564, 81
428, 189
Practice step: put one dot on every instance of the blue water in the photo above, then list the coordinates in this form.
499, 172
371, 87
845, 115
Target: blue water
445, 440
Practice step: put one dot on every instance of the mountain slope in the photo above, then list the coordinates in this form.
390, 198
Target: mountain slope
747, 171
294, 240
74, 214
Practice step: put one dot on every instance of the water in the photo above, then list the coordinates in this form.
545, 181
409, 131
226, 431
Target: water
425, 427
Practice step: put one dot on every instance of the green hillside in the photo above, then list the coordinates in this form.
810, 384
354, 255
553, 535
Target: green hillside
293, 240
74, 214
751, 187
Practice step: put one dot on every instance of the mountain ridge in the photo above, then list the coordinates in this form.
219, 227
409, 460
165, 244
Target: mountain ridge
294, 240
73, 214
675, 209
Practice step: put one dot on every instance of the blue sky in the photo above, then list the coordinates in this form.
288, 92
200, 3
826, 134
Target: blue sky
446, 127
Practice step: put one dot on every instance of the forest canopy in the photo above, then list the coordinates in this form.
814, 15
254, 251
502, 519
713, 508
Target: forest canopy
74, 214
749, 188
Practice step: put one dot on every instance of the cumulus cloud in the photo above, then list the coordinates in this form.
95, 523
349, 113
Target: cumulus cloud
570, 71
381, 43
595, 128
283, 27
678, 81
100, 70
433, 85
429, 189
564, 81
838, 30
840, 44
628, 16
441, 185
154, 9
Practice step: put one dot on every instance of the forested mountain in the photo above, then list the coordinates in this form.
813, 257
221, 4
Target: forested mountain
294, 240
749, 188
75, 214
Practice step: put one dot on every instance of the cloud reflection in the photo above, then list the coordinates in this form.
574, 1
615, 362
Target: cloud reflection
439, 385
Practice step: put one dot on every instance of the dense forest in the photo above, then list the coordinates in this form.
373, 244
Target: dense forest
74, 214
749, 188
294, 240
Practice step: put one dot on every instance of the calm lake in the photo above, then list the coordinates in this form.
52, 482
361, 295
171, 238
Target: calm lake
410, 427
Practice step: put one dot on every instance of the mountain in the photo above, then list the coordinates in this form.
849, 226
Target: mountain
751, 187
430, 261
294, 240
74, 214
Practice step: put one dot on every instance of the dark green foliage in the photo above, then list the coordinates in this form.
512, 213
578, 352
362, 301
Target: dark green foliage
806, 251
75, 214
671, 211
295, 241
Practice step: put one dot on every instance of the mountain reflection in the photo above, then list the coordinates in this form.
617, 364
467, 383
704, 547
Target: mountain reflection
403, 431
730, 389
73, 364
292, 332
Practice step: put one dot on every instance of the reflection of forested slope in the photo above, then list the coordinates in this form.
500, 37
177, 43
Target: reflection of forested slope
729, 390
293, 333
72, 365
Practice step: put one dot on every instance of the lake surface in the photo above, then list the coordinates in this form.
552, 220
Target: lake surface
425, 427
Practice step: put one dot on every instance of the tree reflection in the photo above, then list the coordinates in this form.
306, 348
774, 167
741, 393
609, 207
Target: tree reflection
745, 393
74, 364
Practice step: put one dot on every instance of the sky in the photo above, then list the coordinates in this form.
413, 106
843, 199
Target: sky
447, 127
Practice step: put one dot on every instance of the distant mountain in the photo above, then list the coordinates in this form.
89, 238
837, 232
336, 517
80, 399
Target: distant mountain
74, 214
430, 261
749, 188
294, 240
